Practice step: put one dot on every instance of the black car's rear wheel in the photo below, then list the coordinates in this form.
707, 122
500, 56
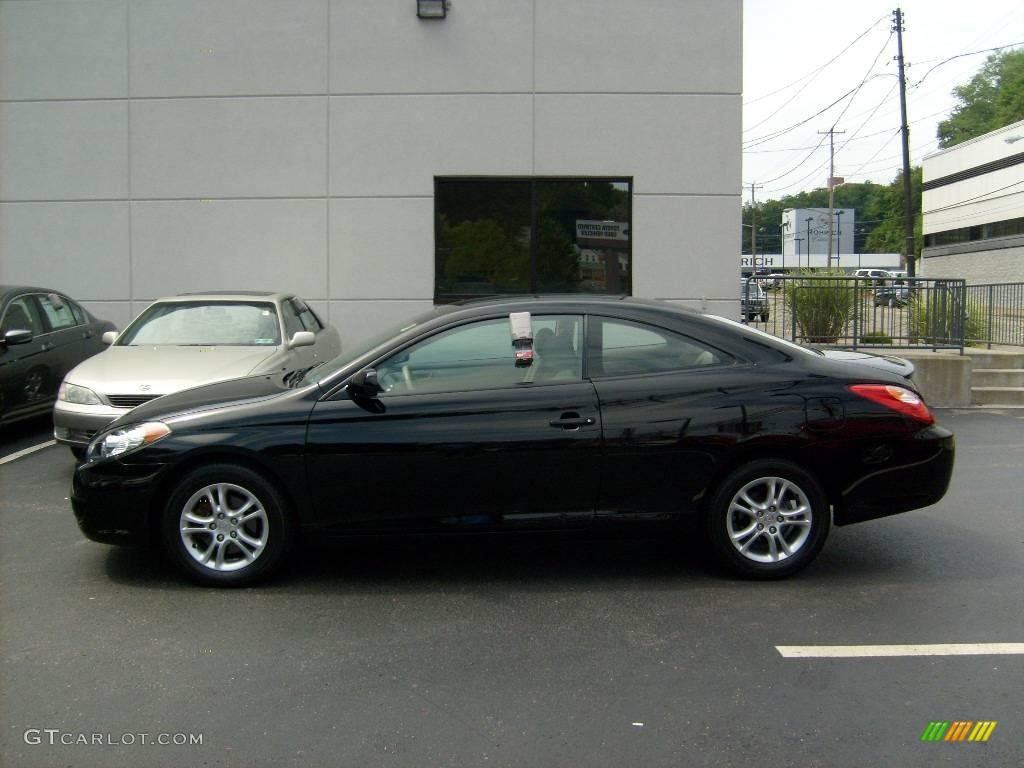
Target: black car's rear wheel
768, 519
224, 525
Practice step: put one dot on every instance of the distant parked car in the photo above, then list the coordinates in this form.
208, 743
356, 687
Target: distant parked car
43, 335
753, 300
184, 341
892, 296
878, 276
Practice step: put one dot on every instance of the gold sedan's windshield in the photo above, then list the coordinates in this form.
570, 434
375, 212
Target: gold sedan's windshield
246, 324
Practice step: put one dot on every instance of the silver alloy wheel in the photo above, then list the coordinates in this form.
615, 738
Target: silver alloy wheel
224, 527
769, 519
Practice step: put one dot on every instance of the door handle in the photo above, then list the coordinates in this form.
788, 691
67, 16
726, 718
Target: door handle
571, 421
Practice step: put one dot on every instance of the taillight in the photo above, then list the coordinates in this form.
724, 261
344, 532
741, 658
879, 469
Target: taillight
898, 399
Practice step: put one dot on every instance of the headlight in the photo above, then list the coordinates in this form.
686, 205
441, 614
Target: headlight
126, 439
72, 393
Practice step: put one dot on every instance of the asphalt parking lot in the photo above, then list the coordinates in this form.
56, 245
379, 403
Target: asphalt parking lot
517, 652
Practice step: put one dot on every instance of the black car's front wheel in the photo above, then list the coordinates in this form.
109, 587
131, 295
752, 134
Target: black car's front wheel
768, 519
224, 525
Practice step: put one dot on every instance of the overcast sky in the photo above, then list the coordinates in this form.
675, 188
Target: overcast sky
786, 45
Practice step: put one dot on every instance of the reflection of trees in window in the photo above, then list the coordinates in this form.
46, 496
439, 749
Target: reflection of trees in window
518, 235
558, 263
480, 257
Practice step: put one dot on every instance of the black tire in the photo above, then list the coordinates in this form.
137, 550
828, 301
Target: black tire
240, 548
764, 317
802, 531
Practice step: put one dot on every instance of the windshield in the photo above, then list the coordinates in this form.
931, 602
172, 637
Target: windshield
350, 355
204, 323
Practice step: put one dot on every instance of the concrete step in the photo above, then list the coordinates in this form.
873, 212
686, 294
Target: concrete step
995, 358
997, 377
997, 395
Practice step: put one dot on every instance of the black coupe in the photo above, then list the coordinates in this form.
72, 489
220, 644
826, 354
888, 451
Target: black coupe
555, 413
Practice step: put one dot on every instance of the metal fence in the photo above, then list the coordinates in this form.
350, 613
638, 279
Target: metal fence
1000, 308
913, 313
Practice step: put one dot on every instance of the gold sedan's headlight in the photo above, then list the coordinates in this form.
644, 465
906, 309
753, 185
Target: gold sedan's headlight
73, 393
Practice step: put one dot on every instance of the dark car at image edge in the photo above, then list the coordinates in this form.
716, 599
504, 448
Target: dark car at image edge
43, 335
632, 412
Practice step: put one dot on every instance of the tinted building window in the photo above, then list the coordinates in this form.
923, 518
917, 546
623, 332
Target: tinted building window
502, 236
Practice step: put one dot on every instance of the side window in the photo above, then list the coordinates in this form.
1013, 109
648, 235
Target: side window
624, 348
22, 315
292, 324
480, 356
79, 313
58, 313
309, 320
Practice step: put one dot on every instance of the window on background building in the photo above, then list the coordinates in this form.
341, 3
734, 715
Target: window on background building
1005, 228
506, 236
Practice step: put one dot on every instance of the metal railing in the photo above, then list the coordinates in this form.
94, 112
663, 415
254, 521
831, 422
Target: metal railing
852, 312
1001, 309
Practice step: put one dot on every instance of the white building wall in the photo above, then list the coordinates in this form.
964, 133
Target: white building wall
991, 197
149, 148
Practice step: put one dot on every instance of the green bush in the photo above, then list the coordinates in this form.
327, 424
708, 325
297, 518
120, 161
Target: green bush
822, 308
876, 337
940, 318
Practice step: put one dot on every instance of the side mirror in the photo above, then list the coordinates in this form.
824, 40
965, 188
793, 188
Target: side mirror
109, 337
365, 384
302, 339
17, 336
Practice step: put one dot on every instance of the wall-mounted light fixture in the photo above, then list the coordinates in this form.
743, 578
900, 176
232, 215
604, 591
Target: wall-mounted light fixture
432, 9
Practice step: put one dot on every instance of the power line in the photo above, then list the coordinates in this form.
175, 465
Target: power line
867, 77
806, 85
820, 69
961, 55
782, 132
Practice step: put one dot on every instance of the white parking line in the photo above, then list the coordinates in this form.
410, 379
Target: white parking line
27, 451
869, 651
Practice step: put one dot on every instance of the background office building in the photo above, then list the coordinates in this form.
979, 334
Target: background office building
973, 204
369, 159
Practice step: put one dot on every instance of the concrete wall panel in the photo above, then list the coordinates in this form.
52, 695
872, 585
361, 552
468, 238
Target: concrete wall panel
669, 144
63, 50
228, 47
79, 248
484, 46
396, 145
665, 46
199, 148
275, 245
382, 248
679, 249
63, 150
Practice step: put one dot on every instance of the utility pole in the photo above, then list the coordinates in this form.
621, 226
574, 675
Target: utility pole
831, 185
753, 227
908, 207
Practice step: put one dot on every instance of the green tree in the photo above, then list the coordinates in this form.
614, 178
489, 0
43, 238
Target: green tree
886, 208
994, 97
875, 205
481, 250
